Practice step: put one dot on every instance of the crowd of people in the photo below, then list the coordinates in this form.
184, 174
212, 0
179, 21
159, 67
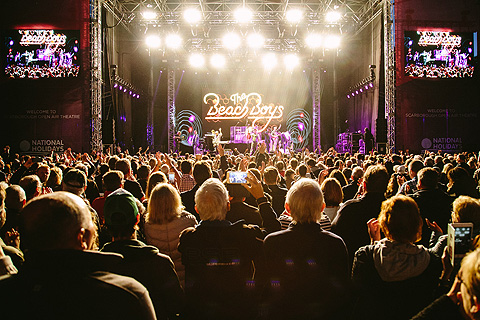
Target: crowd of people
308, 236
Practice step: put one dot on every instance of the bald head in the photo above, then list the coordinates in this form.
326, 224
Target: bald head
59, 220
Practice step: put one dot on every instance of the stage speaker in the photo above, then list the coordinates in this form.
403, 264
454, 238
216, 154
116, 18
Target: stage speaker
381, 130
382, 147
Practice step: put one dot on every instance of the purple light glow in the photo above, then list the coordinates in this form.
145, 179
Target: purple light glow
371, 85
125, 90
130, 92
11, 42
366, 87
301, 126
348, 96
356, 91
115, 85
361, 90
191, 118
75, 49
120, 88
353, 94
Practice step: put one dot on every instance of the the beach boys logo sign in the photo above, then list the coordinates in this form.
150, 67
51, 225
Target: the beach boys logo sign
42, 37
239, 106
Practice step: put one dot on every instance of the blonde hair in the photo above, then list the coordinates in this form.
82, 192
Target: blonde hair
470, 272
332, 192
211, 200
154, 179
400, 219
164, 204
466, 209
305, 200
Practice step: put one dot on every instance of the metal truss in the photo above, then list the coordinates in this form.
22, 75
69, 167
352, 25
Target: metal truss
316, 92
389, 59
171, 108
96, 75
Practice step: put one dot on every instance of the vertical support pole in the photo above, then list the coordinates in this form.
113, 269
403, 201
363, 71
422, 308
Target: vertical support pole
171, 108
96, 75
316, 108
150, 126
389, 62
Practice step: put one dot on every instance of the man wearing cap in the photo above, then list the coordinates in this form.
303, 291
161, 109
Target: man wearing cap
61, 278
74, 181
142, 262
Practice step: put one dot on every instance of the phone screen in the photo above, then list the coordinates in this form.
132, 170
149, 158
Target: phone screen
237, 177
171, 177
463, 238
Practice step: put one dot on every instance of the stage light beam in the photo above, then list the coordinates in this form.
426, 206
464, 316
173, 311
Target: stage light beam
153, 41
231, 41
217, 61
192, 16
291, 61
333, 16
173, 41
294, 15
269, 61
243, 15
332, 42
197, 60
313, 40
149, 14
255, 40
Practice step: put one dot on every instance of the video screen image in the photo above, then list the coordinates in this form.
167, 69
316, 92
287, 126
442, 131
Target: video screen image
439, 54
37, 54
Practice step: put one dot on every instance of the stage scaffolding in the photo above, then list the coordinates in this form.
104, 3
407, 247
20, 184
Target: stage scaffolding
316, 93
171, 108
96, 75
389, 59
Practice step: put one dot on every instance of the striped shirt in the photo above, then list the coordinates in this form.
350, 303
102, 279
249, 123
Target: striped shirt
285, 220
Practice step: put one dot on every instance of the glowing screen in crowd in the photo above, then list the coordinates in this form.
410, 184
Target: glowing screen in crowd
36, 54
439, 54
238, 106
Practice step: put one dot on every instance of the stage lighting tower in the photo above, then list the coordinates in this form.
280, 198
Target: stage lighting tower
294, 16
231, 41
173, 41
153, 41
255, 40
192, 16
333, 16
243, 15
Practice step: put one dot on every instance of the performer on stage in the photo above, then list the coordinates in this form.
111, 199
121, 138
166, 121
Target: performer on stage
369, 140
195, 142
252, 136
178, 139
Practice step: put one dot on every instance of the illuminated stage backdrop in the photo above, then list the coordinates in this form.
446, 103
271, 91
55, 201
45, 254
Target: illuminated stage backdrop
246, 98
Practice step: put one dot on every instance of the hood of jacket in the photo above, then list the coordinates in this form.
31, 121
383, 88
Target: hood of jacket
395, 261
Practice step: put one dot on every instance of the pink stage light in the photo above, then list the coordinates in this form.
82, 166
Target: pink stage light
366, 87
190, 129
125, 90
361, 90
115, 85
371, 85
348, 96
121, 88
301, 126
356, 91
191, 118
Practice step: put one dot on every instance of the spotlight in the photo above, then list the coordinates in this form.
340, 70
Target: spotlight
371, 85
115, 85
333, 16
361, 90
332, 41
153, 41
217, 60
197, 60
231, 41
124, 89
291, 61
356, 91
149, 14
11, 43
173, 41
353, 94
192, 15
366, 87
301, 126
313, 40
191, 118
269, 60
130, 92
348, 96
120, 88
294, 15
138, 96
255, 40
243, 15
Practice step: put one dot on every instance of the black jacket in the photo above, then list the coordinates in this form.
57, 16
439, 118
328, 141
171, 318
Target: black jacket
154, 270
73, 284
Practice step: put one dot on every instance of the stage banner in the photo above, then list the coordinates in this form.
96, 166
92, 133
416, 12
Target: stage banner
44, 77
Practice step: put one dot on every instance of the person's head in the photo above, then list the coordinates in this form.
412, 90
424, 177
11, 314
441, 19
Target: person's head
201, 172
271, 175
32, 186
469, 276
357, 173
337, 174
74, 181
186, 167
121, 214
332, 192
414, 167
400, 219
427, 178
55, 177
466, 209
302, 170
112, 180
165, 168
154, 179
280, 166
112, 161
376, 179
304, 201
43, 172
143, 172
124, 166
211, 200
59, 220
15, 197
164, 204
293, 163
